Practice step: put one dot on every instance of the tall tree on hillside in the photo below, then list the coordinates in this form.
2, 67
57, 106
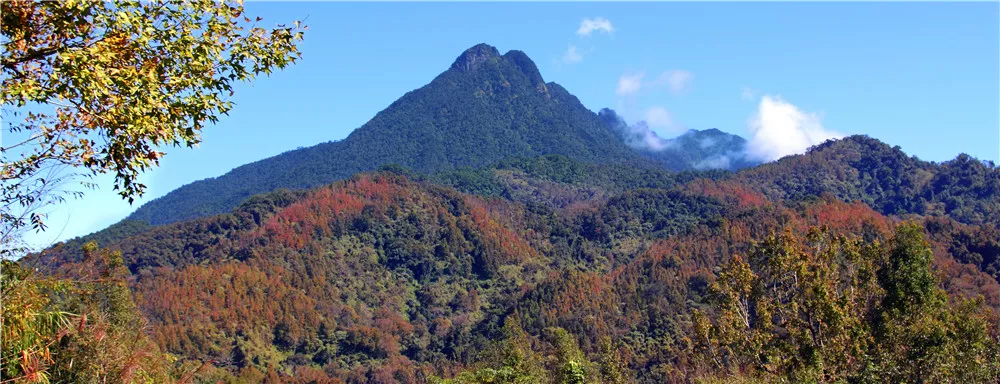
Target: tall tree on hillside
94, 87
919, 336
829, 308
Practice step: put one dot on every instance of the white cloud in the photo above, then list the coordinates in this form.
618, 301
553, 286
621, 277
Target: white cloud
677, 80
780, 129
659, 117
717, 162
748, 93
707, 142
572, 56
629, 84
588, 26
643, 137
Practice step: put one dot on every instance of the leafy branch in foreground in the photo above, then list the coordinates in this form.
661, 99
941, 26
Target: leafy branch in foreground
98, 87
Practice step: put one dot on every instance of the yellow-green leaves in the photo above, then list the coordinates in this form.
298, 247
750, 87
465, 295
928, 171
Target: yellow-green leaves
98, 87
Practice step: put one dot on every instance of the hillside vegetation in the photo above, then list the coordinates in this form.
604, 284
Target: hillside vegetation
487, 228
548, 269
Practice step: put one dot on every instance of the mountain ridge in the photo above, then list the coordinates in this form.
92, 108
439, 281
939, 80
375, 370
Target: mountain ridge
387, 274
694, 149
484, 108
487, 227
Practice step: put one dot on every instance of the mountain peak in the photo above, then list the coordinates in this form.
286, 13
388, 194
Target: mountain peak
713, 131
525, 65
485, 108
473, 57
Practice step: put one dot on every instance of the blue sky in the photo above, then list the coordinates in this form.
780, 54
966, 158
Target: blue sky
919, 75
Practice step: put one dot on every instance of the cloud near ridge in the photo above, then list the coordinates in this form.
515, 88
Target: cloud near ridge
588, 26
572, 55
659, 117
779, 129
643, 137
676, 80
629, 84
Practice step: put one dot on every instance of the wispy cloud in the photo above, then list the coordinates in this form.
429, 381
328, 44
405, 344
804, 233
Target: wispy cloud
643, 137
676, 80
600, 24
659, 117
629, 83
572, 55
637, 135
588, 26
748, 93
780, 129
655, 117
717, 162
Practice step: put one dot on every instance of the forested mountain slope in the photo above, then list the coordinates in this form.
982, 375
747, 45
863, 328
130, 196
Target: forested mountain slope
392, 278
485, 108
885, 178
511, 235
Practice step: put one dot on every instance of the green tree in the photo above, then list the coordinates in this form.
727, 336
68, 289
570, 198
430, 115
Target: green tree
94, 87
829, 308
613, 369
739, 334
571, 366
511, 360
919, 336
908, 279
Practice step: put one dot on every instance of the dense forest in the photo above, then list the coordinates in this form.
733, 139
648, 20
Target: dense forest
819, 267
488, 228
